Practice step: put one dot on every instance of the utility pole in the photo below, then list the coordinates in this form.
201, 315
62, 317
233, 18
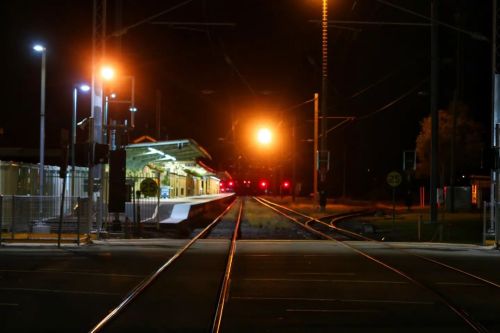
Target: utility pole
294, 156
323, 154
456, 95
495, 130
434, 113
96, 112
315, 149
158, 114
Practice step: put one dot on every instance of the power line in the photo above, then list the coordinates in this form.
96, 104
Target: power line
123, 31
388, 105
474, 35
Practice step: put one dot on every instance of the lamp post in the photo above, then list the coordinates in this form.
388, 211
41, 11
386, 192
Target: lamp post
83, 88
41, 49
323, 155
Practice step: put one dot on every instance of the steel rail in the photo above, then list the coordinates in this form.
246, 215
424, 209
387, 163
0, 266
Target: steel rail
462, 314
437, 262
313, 219
224, 293
147, 282
310, 229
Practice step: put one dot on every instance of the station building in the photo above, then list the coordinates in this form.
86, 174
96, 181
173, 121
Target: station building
178, 166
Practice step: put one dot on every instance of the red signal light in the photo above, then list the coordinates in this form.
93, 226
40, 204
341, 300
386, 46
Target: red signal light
231, 183
286, 184
263, 184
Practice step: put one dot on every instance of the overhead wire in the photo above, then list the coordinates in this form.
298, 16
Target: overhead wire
123, 31
395, 101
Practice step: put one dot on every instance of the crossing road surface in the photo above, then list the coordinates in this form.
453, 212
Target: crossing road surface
276, 286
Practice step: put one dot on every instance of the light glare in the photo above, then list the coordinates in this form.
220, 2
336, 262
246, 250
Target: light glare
107, 73
84, 87
39, 48
264, 136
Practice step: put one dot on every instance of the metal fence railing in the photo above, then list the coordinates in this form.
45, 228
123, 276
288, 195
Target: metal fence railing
34, 217
141, 208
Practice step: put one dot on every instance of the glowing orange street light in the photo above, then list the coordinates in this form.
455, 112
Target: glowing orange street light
107, 73
264, 136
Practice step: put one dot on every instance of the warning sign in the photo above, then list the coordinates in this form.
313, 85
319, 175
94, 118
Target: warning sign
394, 179
149, 187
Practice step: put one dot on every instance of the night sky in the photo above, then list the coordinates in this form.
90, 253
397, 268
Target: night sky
252, 69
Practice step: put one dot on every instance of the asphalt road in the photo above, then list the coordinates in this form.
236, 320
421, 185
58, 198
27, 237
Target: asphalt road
277, 286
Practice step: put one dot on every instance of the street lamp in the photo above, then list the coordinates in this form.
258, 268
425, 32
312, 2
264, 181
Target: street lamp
264, 136
41, 49
107, 73
83, 88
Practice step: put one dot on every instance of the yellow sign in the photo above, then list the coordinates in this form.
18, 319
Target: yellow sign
149, 187
394, 178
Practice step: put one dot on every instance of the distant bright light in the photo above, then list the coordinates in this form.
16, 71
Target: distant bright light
264, 136
133, 109
263, 184
107, 73
39, 48
231, 183
84, 87
113, 95
286, 184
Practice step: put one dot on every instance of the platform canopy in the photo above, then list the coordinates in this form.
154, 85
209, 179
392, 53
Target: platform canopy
182, 151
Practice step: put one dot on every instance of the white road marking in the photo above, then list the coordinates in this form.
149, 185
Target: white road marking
59, 291
464, 284
9, 304
250, 298
326, 273
71, 272
290, 255
324, 280
330, 311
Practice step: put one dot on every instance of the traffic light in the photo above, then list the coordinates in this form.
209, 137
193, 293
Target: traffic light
117, 186
101, 153
81, 154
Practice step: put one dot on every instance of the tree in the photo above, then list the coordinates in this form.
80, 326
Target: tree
468, 143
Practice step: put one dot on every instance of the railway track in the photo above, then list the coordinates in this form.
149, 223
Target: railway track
232, 226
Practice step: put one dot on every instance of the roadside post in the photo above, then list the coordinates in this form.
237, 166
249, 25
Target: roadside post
394, 180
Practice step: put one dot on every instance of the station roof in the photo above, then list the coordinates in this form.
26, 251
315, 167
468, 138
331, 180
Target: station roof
185, 150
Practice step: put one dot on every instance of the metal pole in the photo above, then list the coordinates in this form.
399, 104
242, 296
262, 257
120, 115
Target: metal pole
393, 210
1, 218
73, 140
42, 123
132, 116
315, 149
484, 223
294, 156
434, 113
324, 92
158, 114
497, 191
495, 83
90, 179
61, 207
105, 120
13, 218
78, 215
